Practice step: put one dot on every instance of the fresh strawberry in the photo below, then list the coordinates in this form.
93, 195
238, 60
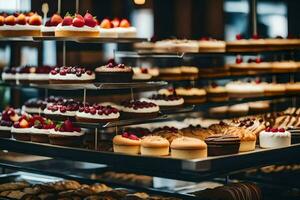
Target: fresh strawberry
68, 125
55, 20
239, 36
10, 20
24, 123
67, 21
115, 22
106, 24
90, 20
21, 19
2, 19
78, 21
35, 20
124, 23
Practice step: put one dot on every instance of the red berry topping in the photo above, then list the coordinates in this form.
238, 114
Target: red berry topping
63, 109
86, 109
239, 59
239, 37
258, 60
274, 130
133, 137
67, 21
125, 134
282, 130
93, 111
63, 72
53, 72
255, 36
268, 129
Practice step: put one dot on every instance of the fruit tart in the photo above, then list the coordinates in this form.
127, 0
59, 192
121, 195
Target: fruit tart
41, 129
8, 118
61, 75
22, 128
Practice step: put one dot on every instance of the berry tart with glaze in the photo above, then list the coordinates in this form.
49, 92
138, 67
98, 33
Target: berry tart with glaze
66, 134
49, 28
136, 109
192, 95
34, 106
21, 130
127, 143
9, 75
61, 75
78, 26
164, 101
97, 114
40, 74
274, 138
8, 118
114, 72
41, 129
107, 29
20, 25
62, 110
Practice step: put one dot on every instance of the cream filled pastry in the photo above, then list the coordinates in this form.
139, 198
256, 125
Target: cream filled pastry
274, 138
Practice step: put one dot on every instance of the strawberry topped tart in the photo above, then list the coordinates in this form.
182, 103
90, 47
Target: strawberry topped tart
78, 26
97, 113
66, 134
71, 75
114, 72
8, 118
20, 24
136, 109
22, 128
107, 29
49, 28
41, 129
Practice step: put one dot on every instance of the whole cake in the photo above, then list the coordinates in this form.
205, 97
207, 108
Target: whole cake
114, 72
274, 138
136, 109
127, 143
20, 25
61, 75
222, 144
62, 110
97, 113
78, 26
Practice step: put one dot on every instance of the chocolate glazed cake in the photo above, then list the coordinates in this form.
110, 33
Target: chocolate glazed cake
222, 145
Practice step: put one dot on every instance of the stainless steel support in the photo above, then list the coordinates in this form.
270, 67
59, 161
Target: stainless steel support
84, 96
59, 6
64, 53
96, 139
253, 9
77, 6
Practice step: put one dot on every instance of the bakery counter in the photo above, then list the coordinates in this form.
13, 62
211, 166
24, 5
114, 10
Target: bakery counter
192, 170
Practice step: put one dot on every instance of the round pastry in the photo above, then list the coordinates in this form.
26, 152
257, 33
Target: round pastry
239, 109
125, 30
78, 26
170, 133
192, 95
97, 114
292, 88
114, 72
164, 101
127, 143
211, 45
49, 28
71, 75
274, 138
141, 74
23, 73
238, 89
284, 66
9, 75
21, 130
154, 146
222, 144
274, 88
259, 106
40, 75
20, 25
8, 118
63, 110
41, 129
216, 93
66, 134
136, 109
188, 148
107, 29
34, 106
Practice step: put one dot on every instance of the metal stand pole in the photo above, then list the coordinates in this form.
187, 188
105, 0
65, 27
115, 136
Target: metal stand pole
84, 96
253, 8
96, 139
77, 6
131, 93
59, 6
64, 53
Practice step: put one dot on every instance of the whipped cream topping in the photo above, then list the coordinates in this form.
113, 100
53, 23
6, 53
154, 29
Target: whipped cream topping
8, 76
126, 32
48, 28
74, 133
162, 102
5, 128
96, 116
73, 28
41, 131
35, 76
26, 109
19, 27
71, 77
274, 139
21, 130
108, 32
140, 110
57, 112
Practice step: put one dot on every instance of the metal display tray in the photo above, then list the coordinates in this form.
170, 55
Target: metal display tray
190, 170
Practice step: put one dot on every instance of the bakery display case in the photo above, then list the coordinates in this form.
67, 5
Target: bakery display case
166, 119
